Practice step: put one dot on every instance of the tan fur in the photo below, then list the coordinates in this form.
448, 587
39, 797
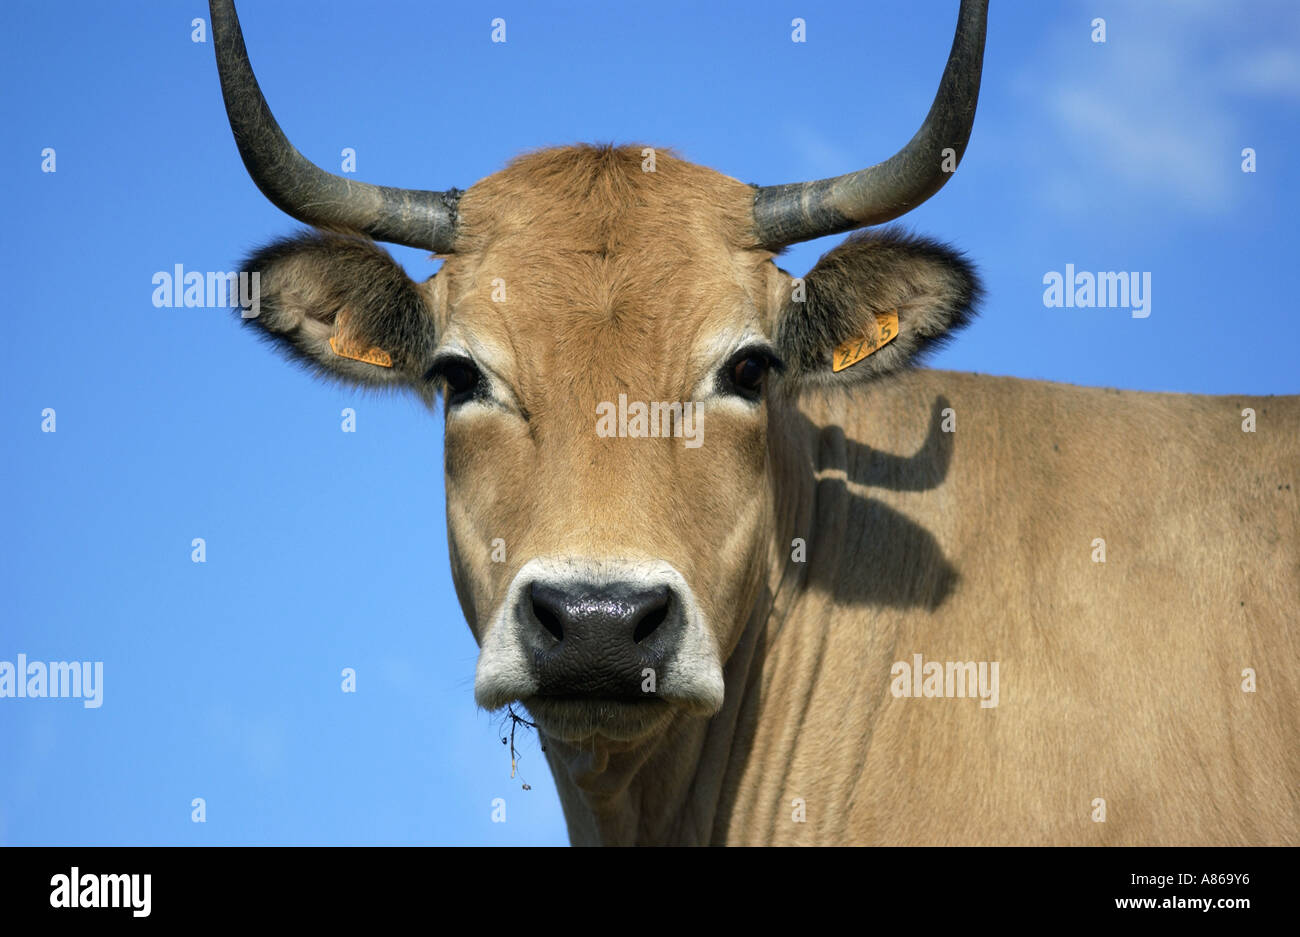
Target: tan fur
601, 263
1119, 681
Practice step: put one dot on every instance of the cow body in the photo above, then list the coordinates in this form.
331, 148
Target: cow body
730, 635
1119, 680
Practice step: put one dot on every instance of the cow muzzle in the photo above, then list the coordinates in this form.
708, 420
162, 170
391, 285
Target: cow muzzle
599, 648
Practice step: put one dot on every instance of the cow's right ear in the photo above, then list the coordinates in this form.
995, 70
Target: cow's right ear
343, 306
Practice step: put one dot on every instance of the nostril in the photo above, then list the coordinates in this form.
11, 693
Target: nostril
546, 616
651, 619
584, 619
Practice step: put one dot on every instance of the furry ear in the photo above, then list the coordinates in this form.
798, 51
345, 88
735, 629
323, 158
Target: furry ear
875, 304
344, 307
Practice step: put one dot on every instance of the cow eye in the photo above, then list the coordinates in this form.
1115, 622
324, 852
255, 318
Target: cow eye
744, 374
461, 376
748, 374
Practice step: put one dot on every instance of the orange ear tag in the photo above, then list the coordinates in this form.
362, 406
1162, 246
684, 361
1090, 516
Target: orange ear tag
345, 348
855, 349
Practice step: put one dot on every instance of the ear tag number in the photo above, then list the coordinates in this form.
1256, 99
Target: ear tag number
855, 349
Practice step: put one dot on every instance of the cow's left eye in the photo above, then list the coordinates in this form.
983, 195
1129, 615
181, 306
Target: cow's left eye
745, 372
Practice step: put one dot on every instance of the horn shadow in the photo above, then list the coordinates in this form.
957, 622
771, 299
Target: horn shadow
861, 550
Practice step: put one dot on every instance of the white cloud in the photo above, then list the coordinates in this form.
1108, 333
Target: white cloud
1159, 110
1270, 71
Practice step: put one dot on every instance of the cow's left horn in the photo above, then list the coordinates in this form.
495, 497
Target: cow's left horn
297, 186
785, 214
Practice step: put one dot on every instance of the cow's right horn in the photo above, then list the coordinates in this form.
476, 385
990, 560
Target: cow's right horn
414, 217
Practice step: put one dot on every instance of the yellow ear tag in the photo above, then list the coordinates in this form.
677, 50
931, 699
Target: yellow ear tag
855, 349
345, 348
357, 353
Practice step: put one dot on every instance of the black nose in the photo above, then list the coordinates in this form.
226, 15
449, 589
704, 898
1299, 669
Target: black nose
599, 641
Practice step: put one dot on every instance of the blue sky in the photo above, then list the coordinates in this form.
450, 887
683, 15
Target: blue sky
327, 550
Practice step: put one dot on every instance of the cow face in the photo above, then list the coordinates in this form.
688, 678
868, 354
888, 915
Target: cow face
614, 348
611, 347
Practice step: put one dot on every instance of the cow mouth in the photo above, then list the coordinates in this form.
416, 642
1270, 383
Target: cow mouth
601, 700
580, 718
607, 649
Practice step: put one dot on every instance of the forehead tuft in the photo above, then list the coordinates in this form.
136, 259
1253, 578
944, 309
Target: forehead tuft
591, 249
602, 199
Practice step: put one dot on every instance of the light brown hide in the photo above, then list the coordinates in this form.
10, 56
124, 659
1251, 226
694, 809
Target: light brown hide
1119, 681
636, 272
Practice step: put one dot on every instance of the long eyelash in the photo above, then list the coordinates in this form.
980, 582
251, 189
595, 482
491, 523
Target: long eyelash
443, 362
764, 353
438, 370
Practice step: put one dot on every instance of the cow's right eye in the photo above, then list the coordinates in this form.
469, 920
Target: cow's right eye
462, 377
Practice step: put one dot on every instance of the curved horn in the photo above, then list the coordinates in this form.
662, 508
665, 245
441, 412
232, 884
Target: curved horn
785, 214
297, 186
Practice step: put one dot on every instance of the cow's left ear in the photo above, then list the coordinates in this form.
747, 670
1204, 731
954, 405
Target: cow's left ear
873, 305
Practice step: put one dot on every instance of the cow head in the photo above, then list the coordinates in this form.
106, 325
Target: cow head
615, 350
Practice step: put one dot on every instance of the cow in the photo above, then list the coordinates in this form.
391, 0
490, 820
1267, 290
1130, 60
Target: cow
754, 576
